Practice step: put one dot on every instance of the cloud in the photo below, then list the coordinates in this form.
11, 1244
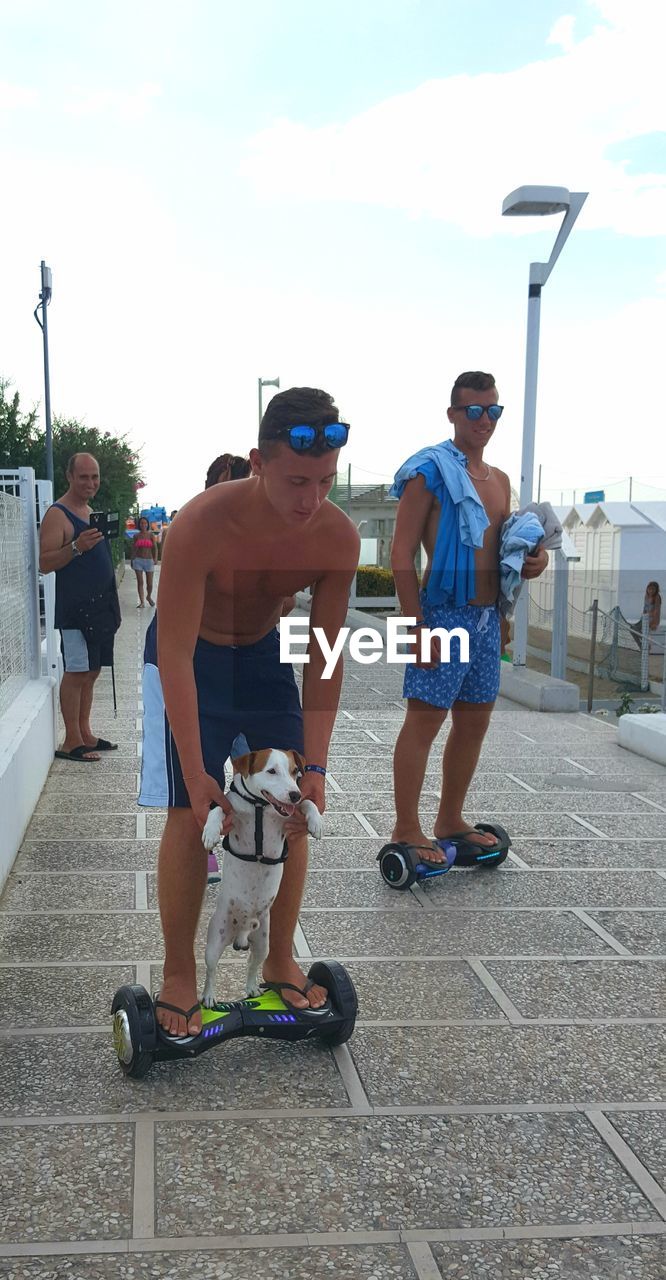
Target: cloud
549, 122
126, 105
562, 34
14, 96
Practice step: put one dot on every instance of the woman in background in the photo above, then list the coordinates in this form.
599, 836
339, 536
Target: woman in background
144, 555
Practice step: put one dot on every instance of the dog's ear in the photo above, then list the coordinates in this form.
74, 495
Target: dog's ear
244, 764
300, 760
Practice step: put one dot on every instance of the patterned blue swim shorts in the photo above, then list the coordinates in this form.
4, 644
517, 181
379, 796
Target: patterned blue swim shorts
455, 681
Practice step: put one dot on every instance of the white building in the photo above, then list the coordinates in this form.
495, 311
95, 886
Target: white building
622, 547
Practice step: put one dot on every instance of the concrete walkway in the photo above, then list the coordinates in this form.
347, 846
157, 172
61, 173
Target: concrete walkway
498, 1111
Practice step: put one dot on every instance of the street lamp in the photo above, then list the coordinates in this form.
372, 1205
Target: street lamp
265, 382
530, 202
44, 299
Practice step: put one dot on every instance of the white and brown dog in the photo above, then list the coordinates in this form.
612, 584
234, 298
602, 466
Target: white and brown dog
263, 795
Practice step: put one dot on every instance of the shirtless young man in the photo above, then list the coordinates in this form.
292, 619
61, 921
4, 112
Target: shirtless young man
232, 556
432, 688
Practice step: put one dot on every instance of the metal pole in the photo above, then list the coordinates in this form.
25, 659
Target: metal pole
349, 490
630, 486
261, 414
44, 299
593, 648
539, 485
527, 460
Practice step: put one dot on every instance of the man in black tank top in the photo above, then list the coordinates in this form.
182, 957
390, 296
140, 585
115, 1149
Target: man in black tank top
80, 557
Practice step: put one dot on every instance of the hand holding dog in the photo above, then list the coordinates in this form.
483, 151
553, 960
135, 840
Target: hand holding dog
204, 791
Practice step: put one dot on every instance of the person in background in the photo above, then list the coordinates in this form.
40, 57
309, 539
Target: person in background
651, 611
143, 560
229, 466
80, 557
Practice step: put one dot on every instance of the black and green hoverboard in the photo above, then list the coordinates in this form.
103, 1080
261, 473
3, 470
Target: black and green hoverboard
139, 1040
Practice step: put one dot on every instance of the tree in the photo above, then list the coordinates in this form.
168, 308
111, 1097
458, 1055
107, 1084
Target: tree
18, 431
22, 444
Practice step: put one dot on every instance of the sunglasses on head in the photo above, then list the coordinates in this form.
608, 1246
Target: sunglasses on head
302, 437
475, 411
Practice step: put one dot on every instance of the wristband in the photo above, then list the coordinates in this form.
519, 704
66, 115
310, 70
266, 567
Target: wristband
315, 768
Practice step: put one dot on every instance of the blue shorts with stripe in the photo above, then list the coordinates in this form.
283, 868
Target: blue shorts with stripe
475, 681
240, 689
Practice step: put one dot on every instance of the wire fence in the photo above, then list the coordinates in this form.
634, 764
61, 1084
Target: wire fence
14, 598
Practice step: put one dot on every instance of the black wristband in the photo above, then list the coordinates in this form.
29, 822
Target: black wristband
315, 768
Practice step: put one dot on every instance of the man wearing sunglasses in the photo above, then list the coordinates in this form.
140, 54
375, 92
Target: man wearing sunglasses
213, 671
454, 504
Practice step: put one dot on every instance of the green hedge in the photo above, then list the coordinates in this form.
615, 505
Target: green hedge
371, 581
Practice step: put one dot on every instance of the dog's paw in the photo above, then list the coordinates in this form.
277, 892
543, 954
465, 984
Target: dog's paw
208, 997
253, 990
313, 818
210, 835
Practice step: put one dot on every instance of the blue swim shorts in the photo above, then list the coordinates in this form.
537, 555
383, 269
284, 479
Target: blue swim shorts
240, 689
455, 681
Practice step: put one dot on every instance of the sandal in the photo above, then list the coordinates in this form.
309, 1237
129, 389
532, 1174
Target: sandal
279, 987
184, 1013
79, 754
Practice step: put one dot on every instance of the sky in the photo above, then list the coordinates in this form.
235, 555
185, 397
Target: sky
293, 189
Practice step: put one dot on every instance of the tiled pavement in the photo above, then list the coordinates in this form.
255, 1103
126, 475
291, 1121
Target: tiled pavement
500, 1109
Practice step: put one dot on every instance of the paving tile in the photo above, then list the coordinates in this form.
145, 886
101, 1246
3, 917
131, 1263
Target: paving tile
87, 1170
648, 825
412, 989
334, 889
545, 889
517, 824
74, 855
60, 997
97, 802
387, 1173
348, 1262
592, 853
614, 1258
641, 932
344, 853
46, 938
449, 933
78, 1074
645, 1132
36, 892
81, 827
511, 1065
584, 989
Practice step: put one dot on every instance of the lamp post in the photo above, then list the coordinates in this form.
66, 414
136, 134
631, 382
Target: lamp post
528, 202
44, 299
265, 382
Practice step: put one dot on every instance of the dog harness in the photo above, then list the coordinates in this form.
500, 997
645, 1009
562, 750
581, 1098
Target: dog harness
259, 807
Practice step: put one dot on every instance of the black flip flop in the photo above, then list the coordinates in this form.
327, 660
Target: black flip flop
184, 1013
103, 744
279, 987
77, 754
443, 865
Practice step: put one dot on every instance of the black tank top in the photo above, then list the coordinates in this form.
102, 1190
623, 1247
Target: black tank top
84, 576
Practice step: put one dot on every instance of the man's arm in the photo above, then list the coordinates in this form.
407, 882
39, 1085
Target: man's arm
56, 542
413, 511
182, 585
